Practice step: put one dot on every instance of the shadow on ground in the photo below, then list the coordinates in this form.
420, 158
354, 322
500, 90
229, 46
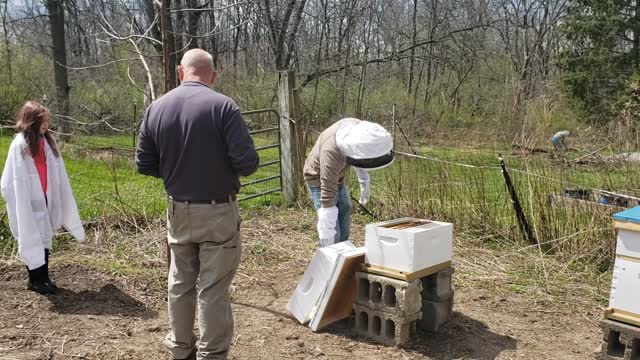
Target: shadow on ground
108, 300
462, 337
265, 309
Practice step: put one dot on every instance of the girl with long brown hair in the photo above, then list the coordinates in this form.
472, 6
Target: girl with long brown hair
36, 188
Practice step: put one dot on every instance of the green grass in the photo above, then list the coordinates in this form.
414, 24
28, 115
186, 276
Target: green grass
106, 183
121, 141
473, 197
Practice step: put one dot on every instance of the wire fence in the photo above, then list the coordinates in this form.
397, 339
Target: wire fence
569, 206
108, 190
462, 186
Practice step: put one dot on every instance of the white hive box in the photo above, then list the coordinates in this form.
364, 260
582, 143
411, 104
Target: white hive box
628, 225
624, 303
307, 296
628, 243
625, 288
408, 245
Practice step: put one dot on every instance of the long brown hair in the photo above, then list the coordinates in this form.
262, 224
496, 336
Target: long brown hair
28, 122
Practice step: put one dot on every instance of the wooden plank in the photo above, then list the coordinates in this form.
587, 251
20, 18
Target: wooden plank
626, 225
622, 316
628, 258
404, 276
407, 224
340, 302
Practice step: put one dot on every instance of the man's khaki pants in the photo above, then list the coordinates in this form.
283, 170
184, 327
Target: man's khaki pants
204, 240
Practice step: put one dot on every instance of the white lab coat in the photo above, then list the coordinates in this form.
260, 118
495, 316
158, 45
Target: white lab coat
34, 221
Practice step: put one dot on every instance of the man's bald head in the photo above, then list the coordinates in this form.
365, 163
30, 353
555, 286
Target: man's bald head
197, 65
197, 59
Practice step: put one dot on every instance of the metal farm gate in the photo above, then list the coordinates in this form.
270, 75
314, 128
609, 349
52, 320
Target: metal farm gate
270, 163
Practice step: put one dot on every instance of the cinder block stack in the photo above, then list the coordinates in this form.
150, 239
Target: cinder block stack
406, 280
387, 309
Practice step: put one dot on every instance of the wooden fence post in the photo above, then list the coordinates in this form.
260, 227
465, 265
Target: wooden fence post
289, 157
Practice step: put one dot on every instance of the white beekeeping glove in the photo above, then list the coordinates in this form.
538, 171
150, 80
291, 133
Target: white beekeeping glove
327, 219
365, 185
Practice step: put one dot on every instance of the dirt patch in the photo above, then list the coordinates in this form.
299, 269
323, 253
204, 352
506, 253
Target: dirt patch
93, 316
99, 315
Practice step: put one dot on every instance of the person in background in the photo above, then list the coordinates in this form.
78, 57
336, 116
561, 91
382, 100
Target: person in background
349, 142
196, 140
38, 194
559, 140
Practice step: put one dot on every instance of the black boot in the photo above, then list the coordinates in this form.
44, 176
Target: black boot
46, 271
37, 281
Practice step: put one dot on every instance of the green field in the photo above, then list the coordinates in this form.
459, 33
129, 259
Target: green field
461, 185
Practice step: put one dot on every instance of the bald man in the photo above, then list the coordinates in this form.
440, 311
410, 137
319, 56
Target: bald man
196, 140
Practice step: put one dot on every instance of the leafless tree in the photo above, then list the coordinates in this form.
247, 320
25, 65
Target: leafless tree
56, 22
446, 54
282, 27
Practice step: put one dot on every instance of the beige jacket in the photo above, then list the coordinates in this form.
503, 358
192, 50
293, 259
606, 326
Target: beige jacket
326, 166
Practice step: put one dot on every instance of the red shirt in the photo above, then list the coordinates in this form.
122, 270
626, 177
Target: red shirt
41, 164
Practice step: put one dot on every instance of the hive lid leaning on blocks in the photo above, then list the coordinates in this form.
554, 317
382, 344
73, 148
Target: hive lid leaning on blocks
337, 299
306, 297
408, 244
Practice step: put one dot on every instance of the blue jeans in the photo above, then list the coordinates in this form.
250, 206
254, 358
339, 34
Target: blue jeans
343, 202
559, 144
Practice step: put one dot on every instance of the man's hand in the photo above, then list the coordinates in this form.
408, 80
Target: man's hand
327, 219
365, 192
365, 186
327, 242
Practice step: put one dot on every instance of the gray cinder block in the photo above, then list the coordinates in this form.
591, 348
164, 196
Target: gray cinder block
387, 294
620, 341
385, 328
435, 313
437, 287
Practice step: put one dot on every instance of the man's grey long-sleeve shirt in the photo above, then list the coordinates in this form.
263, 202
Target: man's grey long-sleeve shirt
195, 139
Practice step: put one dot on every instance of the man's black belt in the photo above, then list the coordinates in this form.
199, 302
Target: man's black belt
224, 200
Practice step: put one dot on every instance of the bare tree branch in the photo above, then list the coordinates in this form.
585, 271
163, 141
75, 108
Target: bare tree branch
99, 65
212, 33
146, 67
393, 57
104, 120
201, 9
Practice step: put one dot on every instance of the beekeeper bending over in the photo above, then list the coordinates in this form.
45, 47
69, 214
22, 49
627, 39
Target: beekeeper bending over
559, 140
349, 142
